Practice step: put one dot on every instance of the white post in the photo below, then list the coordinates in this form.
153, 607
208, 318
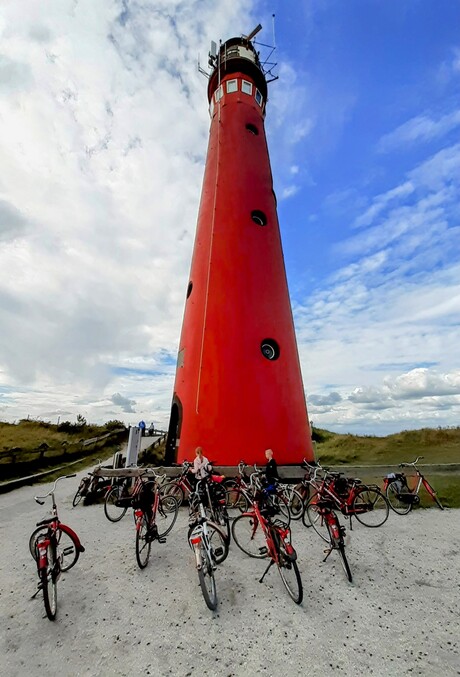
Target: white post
134, 445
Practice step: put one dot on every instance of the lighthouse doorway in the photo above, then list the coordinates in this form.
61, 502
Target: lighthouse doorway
172, 440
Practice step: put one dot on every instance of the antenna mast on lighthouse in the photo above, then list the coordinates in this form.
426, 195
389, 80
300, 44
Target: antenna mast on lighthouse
238, 387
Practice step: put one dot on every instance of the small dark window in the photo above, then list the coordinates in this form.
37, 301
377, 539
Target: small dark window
270, 349
252, 129
189, 288
259, 217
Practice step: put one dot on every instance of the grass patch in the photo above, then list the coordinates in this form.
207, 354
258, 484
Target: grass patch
441, 445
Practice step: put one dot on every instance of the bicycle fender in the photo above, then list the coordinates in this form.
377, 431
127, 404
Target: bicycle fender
70, 532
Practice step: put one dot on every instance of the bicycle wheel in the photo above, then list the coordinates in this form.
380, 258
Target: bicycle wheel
222, 519
395, 497
314, 517
166, 516
143, 545
67, 549
304, 491
295, 503
207, 581
218, 539
114, 512
48, 581
235, 500
77, 498
280, 506
289, 572
249, 536
173, 489
370, 507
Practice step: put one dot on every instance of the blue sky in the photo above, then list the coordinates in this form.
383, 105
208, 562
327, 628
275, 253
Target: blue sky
103, 142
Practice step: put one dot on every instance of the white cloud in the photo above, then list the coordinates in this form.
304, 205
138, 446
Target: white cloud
103, 139
420, 128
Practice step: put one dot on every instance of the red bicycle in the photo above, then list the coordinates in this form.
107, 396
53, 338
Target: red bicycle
400, 495
336, 533
351, 497
55, 548
154, 516
260, 536
181, 487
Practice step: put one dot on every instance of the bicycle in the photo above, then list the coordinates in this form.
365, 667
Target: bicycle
257, 535
50, 544
336, 533
213, 497
181, 487
353, 498
120, 497
240, 492
210, 545
400, 495
91, 488
154, 517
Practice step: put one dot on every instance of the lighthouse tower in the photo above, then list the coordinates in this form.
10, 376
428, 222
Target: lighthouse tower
238, 387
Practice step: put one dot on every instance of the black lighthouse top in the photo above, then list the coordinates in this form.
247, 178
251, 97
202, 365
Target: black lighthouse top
237, 55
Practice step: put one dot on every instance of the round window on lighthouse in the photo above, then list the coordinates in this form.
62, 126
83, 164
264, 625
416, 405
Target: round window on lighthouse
252, 129
270, 349
259, 217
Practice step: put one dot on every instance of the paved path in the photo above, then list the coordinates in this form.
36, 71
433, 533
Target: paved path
400, 617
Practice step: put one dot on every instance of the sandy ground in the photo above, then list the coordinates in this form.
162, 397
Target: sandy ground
399, 617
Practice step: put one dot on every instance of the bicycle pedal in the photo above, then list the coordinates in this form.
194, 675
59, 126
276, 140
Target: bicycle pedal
218, 552
161, 539
263, 550
68, 551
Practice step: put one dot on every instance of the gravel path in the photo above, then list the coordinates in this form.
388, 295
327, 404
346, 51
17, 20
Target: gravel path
399, 617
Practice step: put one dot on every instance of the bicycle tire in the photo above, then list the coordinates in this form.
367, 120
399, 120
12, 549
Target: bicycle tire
280, 505
173, 489
378, 511
296, 504
77, 498
143, 546
315, 518
249, 536
64, 541
304, 491
48, 580
235, 499
205, 574
113, 512
392, 493
168, 509
222, 519
290, 575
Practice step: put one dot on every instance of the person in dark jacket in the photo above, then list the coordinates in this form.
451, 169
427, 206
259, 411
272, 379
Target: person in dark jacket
271, 469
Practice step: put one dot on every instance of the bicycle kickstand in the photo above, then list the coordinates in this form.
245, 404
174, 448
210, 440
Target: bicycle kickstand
39, 589
267, 570
328, 552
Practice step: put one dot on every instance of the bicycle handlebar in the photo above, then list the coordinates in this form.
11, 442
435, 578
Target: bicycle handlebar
404, 465
63, 477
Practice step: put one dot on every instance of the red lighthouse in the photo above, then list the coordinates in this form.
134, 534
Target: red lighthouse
238, 387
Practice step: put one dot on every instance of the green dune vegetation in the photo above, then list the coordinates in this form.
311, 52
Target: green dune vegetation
29, 447
436, 445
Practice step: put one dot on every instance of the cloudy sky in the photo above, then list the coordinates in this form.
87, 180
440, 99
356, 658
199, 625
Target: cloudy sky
103, 136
